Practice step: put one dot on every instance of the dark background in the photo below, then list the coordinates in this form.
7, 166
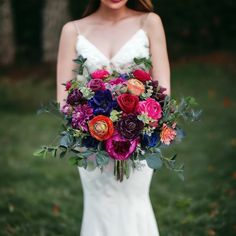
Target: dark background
192, 27
43, 197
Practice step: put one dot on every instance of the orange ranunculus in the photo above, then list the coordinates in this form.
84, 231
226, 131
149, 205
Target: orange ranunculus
167, 134
101, 127
135, 87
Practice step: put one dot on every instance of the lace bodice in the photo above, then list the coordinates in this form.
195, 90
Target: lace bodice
136, 46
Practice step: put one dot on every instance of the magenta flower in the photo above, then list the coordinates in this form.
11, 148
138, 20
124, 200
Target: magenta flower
120, 148
100, 74
80, 117
116, 81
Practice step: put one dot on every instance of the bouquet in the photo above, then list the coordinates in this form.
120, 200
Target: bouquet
122, 117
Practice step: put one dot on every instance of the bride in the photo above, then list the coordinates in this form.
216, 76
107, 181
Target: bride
110, 34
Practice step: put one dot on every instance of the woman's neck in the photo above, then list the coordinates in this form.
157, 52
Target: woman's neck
112, 15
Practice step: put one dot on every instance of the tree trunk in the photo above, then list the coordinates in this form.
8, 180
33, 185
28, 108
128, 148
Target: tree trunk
7, 48
55, 15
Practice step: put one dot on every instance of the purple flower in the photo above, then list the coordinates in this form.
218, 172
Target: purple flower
74, 97
124, 76
96, 84
129, 126
66, 109
158, 92
102, 102
80, 116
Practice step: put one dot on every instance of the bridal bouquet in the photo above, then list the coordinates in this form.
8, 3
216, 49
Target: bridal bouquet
124, 117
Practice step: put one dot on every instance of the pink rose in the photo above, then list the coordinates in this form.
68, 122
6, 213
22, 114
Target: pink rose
142, 75
151, 107
120, 148
96, 84
167, 133
100, 74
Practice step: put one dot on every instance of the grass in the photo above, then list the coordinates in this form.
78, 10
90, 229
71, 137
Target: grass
44, 197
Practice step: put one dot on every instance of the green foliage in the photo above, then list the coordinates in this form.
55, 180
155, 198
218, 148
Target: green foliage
154, 160
145, 62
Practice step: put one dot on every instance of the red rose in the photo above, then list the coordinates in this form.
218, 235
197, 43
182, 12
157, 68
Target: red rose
142, 75
128, 102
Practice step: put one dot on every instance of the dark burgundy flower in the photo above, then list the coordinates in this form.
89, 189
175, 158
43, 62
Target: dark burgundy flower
96, 84
74, 97
158, 92
129, 126
121, 147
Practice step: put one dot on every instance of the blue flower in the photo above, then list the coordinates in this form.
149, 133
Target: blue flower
124, 76
90, 142
150, 141
102, 102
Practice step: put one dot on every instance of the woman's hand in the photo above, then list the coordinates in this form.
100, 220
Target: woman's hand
65, 64
158, 50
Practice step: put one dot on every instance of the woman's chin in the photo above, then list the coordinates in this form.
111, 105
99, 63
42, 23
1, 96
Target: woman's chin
114, 4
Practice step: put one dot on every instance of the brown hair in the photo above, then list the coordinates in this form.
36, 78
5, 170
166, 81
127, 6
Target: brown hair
139, 5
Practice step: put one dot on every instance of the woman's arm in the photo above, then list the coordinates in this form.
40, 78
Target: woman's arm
65, 64
158, 49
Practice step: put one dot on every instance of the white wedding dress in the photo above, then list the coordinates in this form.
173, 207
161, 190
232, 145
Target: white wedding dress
113, 208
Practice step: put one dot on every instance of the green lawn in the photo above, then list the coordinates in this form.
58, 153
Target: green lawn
44, 197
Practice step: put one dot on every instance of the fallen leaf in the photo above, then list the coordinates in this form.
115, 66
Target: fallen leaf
211, 168
234, 175
211, 232
56, 209
211, 93
227, 102
233, 142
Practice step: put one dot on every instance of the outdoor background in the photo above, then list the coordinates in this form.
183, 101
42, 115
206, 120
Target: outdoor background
44, 197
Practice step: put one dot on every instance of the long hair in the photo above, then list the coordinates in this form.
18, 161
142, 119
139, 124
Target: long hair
139, 5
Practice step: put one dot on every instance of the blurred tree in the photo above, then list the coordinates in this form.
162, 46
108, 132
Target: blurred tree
7, 49
55, 14
28, 26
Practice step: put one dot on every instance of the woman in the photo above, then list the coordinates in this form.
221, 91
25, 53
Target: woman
111, 34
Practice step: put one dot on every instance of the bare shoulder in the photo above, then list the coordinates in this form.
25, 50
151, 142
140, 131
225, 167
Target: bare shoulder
69, 28
154, 27
153, 21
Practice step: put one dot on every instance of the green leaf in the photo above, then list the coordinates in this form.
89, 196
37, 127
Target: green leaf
66, 140
63, 153
73, 160
39, 152
154, 160
102, 158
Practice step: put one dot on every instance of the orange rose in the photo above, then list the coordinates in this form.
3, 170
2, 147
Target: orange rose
101, 127
135, 87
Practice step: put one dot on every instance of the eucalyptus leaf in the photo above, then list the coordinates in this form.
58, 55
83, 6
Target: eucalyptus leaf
154, 161
102, 158
39, 152
66, 140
